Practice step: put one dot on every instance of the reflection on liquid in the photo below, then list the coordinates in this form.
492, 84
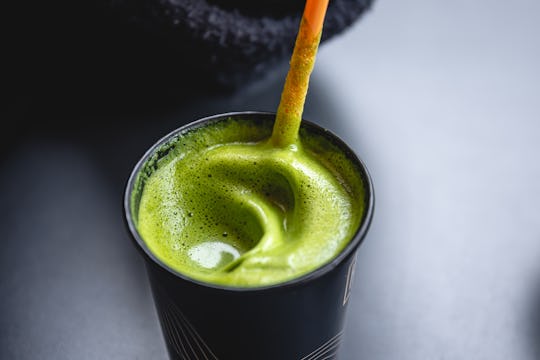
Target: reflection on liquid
213, 254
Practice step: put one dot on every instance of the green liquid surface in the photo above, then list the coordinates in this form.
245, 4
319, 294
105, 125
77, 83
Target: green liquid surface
224, 206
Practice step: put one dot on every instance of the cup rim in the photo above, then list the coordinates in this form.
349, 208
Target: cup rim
349, 249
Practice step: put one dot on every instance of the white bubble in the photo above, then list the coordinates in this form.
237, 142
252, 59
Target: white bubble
210, 254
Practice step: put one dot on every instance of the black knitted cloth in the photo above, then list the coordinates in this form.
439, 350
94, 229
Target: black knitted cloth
123, 47
223, 43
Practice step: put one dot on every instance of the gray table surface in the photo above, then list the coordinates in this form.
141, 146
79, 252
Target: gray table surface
442, 101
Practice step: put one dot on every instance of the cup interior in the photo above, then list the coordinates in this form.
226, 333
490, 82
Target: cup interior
161, 150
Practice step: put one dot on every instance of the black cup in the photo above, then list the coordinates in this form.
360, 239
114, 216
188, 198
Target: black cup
298, 319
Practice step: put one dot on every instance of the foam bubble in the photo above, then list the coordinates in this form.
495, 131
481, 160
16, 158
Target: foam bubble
213, 254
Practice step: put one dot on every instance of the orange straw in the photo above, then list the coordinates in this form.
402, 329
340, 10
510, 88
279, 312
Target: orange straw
293, 97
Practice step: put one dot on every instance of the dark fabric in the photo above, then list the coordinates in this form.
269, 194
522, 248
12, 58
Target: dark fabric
229, 42
113, 49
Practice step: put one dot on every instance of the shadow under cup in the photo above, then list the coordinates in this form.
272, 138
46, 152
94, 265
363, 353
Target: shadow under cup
301, 318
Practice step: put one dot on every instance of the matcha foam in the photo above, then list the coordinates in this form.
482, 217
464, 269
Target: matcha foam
220, 204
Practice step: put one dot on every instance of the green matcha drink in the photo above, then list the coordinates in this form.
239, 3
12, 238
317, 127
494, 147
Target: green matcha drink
227, 207
249, 204
249, 224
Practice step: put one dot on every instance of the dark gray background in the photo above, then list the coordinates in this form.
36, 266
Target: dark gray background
442, 101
